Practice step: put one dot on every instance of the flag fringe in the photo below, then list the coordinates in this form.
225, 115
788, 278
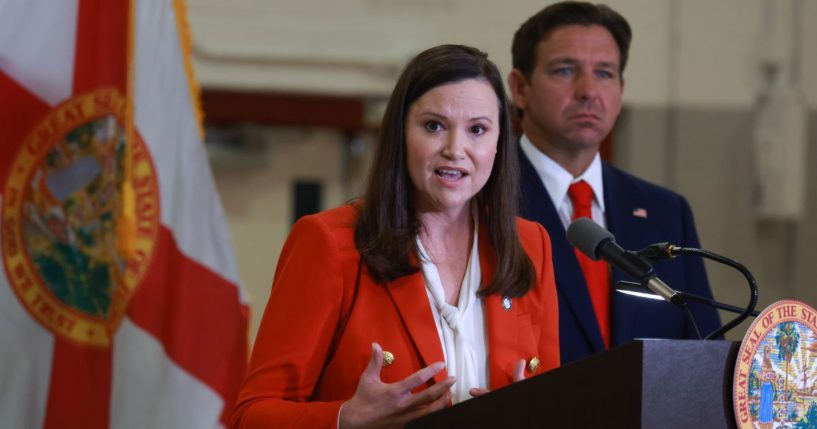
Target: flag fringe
126, 225
186, 42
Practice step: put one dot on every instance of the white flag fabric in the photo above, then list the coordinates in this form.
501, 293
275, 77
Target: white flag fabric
101, 328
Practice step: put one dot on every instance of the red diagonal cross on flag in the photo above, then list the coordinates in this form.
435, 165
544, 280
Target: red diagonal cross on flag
92, 336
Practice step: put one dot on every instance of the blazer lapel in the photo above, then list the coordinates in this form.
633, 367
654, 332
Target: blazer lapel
500, 324
570, 284
409, 297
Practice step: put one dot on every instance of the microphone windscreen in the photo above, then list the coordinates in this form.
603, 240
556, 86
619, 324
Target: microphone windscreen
586, 235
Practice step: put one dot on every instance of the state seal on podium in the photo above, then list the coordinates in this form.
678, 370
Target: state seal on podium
775, 374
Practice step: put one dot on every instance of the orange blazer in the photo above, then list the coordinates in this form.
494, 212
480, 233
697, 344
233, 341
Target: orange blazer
291, 384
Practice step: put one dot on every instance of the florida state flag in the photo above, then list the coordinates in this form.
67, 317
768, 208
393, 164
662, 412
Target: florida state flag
119, 300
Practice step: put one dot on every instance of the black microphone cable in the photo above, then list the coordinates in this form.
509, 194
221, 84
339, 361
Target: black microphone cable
666, 250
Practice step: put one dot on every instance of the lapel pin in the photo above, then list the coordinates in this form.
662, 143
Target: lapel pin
640, 212
506, 303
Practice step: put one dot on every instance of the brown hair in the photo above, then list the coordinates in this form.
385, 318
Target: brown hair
538, 27
387, 225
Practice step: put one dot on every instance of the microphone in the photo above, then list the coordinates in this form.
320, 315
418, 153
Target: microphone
598, 243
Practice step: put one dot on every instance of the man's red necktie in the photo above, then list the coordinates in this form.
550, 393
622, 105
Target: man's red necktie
596, 273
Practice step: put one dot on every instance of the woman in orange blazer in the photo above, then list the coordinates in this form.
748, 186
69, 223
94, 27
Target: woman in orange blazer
426, 291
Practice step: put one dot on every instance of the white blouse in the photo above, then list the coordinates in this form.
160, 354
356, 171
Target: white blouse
461, 328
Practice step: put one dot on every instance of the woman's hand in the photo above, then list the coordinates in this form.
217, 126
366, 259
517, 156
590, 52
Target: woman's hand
380, 405
518, 375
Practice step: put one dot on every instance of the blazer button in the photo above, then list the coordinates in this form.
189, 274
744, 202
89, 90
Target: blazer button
533, 364
388, 358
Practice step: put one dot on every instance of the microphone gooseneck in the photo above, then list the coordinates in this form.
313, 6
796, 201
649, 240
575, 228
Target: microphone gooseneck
658, 251
750, 309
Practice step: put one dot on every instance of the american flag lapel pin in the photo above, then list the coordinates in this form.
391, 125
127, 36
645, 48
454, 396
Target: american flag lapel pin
640, 212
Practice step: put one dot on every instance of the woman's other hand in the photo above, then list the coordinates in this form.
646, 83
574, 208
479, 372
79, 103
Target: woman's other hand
518, 375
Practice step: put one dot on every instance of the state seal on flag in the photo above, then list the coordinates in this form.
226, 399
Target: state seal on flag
774, 381
60, 211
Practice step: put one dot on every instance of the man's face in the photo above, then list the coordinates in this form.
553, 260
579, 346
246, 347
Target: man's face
573, 96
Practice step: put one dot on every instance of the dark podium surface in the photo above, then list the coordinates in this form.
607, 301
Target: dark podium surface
643, 384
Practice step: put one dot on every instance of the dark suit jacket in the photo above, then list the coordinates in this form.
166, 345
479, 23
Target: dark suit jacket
668, 219
291, 381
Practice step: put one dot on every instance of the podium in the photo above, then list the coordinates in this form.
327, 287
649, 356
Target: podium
642, 384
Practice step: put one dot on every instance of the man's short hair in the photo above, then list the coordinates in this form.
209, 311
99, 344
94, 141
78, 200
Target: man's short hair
538, 27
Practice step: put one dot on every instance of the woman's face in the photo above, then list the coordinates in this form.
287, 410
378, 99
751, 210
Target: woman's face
451, 136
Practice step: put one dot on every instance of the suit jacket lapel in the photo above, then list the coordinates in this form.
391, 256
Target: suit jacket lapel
570, 284
620, 201
409, 297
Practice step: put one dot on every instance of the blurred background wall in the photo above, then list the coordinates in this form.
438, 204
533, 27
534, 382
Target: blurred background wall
720, 104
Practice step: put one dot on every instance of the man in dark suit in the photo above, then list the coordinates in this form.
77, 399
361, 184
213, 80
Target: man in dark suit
567, 83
